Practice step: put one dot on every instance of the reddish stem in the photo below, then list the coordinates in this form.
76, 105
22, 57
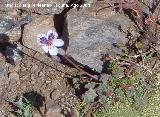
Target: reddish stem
80, 69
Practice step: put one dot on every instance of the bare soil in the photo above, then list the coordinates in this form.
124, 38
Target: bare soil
35, 74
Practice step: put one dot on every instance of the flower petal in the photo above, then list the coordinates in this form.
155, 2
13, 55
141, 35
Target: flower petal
53, 51
58, 42
41, 39
45, 48
52, 34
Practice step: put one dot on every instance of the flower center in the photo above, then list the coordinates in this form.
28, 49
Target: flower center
50, 40
49, 43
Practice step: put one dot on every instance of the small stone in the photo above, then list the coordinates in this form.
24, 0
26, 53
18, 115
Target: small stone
36, 114
14, 76
13, 54
34, 68
33, 81
41, 74
48, 81
54, 111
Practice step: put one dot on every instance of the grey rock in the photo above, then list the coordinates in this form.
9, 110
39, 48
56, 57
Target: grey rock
8, 31
13, 53
14, 77
91, 36
24, 20
6, 25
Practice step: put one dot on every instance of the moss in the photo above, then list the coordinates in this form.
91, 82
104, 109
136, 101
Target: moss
126, 109
153, 109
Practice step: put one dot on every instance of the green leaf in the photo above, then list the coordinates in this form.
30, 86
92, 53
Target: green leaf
90, 85
103, 99
101, 89
75, 80
24, 107
89, 95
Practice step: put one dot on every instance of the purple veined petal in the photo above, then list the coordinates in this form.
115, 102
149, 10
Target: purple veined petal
53, 50
45, 48
52, 34
58, 42
41, 39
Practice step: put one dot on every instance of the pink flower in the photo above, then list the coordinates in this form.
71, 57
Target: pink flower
49, 42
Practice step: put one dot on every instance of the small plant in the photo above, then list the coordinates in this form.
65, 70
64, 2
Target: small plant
113, 87
132, 75
23, 107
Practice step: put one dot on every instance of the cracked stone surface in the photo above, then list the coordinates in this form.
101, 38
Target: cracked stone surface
94, 35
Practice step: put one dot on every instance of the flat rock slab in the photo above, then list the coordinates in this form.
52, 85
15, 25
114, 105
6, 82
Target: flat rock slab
92, 35
39, 25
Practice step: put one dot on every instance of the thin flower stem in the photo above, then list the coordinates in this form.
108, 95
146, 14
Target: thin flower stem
80, 69
102, 9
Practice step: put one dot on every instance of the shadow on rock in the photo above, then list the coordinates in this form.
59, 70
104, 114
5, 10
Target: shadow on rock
36, 99
11, 51
3, 42
71, 62
61, 24
61, 27
4, 38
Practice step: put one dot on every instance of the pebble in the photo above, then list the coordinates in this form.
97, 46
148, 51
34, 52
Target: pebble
14, 76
